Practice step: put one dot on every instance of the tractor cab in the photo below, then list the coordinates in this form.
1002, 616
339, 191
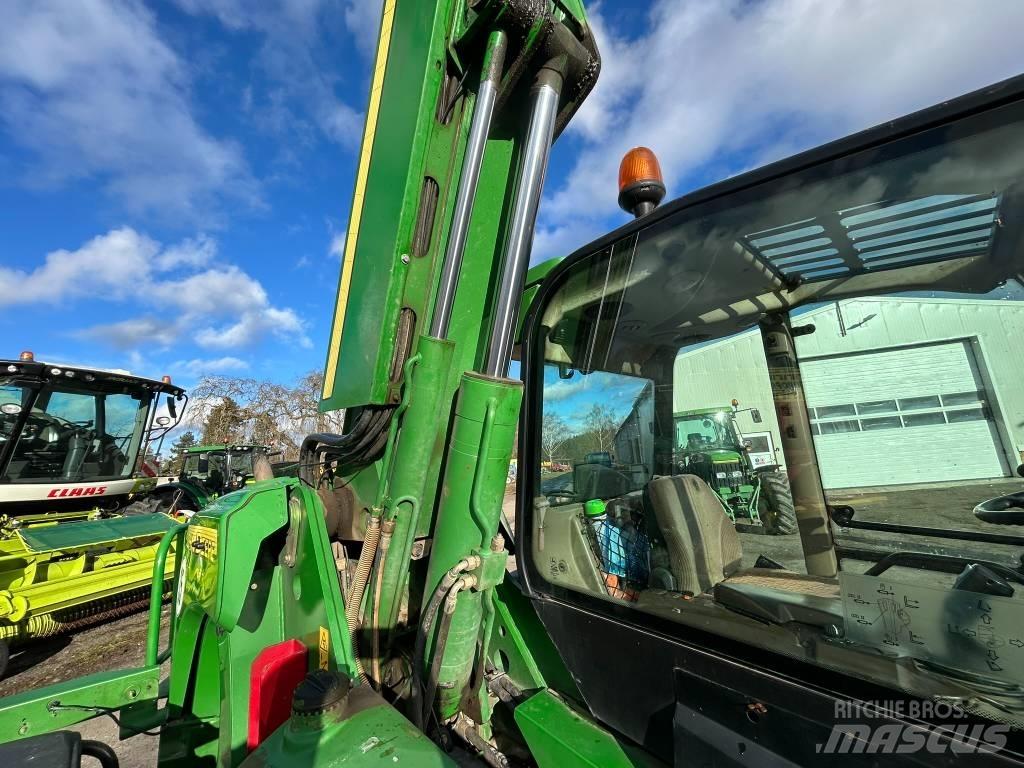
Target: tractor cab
868, 300
72, 439
210, 471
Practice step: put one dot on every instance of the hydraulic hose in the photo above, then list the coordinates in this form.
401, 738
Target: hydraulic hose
426, 626
360, 444
385, 543
355, 597
442, 639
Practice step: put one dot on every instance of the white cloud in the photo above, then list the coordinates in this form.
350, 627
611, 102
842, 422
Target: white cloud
563, 390
252, 327
200, 367
108, 265
362, 17
91, 89
715, 88
337, 246
133, 332
299, 61
220, 307
192, 252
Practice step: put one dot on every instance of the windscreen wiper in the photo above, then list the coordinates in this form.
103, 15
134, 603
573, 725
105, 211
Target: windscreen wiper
843, 516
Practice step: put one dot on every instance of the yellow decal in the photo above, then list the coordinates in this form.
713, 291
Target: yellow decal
202, 541
352, 234
325, 647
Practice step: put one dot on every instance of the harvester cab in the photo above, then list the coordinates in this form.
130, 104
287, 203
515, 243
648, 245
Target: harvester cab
368, 611
711, 445
73, 442
73, 439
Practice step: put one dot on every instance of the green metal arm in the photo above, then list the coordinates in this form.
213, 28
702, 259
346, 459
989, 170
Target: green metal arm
156, 594
58, 706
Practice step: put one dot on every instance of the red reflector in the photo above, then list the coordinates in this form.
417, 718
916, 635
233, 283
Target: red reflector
272, 680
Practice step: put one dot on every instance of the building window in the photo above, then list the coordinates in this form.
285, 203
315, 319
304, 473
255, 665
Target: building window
969, 414
887, 422
836, 427
962, 398
923, 419
831, 411
920, 411
878, 406
919, 403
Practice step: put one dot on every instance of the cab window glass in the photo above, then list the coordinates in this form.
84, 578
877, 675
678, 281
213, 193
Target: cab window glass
810, 447
58, 440
12, 398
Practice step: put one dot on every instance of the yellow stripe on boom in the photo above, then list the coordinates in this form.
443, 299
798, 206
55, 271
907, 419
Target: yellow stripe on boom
352, 234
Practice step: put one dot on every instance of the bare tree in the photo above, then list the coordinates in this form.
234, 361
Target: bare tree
601, 424
263, 412
554, 433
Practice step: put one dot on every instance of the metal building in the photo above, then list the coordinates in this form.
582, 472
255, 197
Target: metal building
900, 390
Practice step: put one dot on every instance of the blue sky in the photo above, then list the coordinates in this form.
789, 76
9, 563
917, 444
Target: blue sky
175, 176
572, 398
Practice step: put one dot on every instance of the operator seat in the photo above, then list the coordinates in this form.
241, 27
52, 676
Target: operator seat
694, 543
596, 481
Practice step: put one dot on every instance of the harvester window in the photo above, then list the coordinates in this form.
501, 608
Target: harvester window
888, 382
72, 436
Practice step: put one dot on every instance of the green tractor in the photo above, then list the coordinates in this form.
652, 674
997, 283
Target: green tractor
433, 650
210, 471
710, 445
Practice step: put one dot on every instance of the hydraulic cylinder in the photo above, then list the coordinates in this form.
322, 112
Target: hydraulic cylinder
483, 432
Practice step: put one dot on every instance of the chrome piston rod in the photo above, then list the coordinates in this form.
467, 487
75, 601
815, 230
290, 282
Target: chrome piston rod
544, 110
479, 130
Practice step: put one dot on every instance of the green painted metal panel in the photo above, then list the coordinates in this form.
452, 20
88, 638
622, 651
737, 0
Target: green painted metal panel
64, 704
364, 731
389, 183
560, 737
49, 538
533, 660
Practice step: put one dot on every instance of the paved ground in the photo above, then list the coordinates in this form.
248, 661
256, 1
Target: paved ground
947, 506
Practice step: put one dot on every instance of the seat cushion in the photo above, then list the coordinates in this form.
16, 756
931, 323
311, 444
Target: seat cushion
787, 581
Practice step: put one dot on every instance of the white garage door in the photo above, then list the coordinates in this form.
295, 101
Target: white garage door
910, 415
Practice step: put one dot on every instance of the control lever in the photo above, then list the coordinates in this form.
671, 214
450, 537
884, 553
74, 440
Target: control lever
979, 578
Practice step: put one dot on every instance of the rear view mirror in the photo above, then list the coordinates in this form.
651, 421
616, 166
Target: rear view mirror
755, 415
171, 407
163, 421
1020, 470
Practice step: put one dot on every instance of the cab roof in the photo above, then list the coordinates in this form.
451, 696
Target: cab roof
82, 375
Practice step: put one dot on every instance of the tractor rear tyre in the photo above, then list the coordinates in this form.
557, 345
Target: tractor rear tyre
775, 504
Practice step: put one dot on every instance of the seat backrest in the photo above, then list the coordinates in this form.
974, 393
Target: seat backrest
596, 481
696, 533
